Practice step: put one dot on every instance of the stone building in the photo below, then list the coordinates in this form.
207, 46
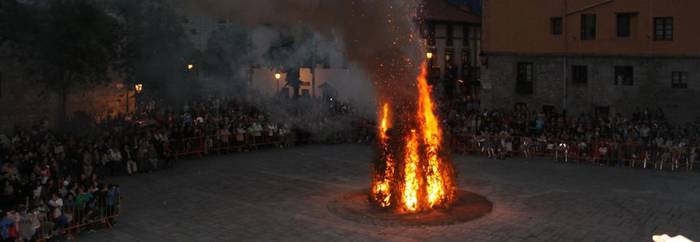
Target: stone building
452, 30
592, 56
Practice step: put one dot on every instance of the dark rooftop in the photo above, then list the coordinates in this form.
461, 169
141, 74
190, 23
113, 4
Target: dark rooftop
465, 11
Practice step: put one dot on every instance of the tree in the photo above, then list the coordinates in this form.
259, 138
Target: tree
19, 30
155, 48
11, 13
77, 45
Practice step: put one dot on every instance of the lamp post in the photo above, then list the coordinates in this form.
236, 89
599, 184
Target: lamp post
138, 88
278, 76
194, 70
429, 57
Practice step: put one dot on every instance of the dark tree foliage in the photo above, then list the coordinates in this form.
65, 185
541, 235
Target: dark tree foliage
78, 46
61, 43
19, 30
156, 49
67, 44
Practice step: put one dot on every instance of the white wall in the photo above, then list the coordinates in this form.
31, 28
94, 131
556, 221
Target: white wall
351, 84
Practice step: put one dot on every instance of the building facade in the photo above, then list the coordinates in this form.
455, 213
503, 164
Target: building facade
595, 56
452, 30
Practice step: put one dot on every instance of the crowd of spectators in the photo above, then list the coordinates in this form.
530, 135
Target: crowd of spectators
52, 180
645, 138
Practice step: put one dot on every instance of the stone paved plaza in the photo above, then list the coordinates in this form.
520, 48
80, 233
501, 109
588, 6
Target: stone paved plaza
282, 195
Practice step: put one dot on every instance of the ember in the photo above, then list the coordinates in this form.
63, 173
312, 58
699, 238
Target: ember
413, 175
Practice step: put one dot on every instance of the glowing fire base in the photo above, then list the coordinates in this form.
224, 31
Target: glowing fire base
468, 206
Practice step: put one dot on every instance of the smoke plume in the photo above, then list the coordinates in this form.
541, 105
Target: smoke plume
378, 35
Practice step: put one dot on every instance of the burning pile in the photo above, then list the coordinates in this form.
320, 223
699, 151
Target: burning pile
412, 174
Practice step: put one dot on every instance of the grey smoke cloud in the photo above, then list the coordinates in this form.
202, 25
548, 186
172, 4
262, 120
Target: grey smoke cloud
378, 35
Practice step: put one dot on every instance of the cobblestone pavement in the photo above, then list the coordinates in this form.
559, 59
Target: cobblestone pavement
281, 195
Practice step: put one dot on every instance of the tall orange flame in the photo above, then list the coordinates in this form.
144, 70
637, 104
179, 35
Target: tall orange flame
381, 186
384, 126
424, 178
411, 182
432, 137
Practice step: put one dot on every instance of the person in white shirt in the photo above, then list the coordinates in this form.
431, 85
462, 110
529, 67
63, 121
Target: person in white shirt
56, 204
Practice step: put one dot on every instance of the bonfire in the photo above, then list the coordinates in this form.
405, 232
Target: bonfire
413, 173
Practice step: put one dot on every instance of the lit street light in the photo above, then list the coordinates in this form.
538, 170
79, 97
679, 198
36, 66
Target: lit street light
278, 76
193, 73
138, 88
429, 55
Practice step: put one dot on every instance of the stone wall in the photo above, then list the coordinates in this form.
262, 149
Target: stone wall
553, 84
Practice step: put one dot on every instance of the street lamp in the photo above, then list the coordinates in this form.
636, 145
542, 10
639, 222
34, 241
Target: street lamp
278, 76
190, 66
429, 55
138, 87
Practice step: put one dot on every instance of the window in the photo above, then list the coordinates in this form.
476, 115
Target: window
472, 34
449, 57
624, 24
663, 28
525, 72
469, 73
579, 74
624, 75
679, 79
466, 59
431, 34
425, 30
524, 83
556, 25
466, 36
588, 26
450, 35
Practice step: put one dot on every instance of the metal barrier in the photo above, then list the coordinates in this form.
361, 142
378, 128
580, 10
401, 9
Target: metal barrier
605, 152
188, 146
68, 220
199, 146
